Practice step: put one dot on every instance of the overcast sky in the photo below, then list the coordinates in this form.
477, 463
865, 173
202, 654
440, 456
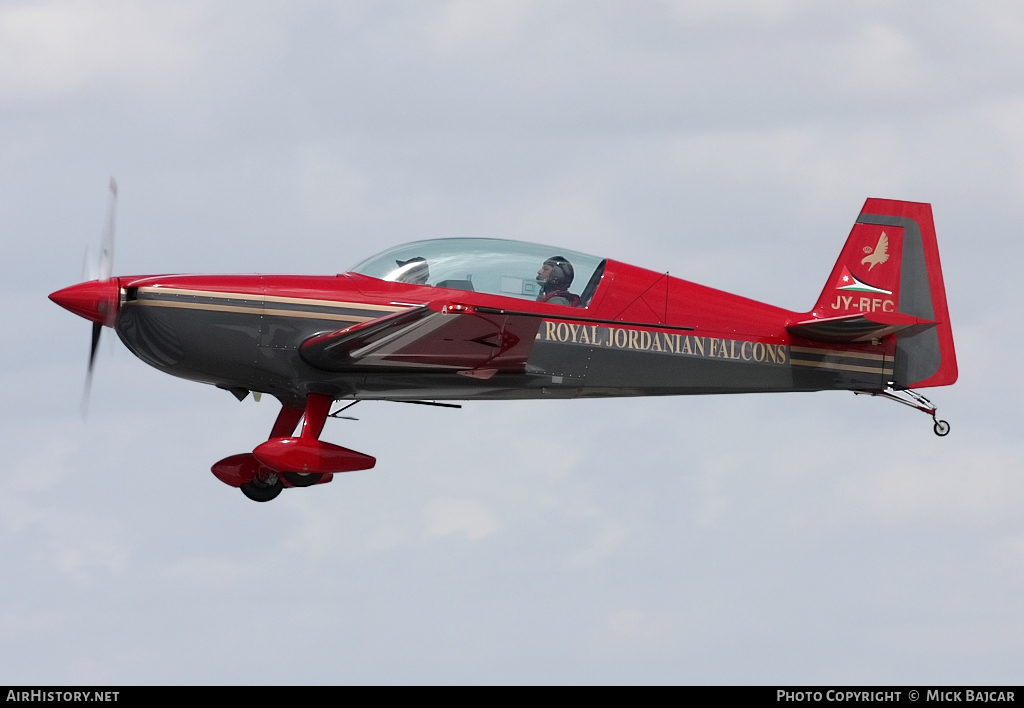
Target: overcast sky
808, 538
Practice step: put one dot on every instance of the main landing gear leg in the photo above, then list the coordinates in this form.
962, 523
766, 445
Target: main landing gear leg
914, 400
315, 415
266, 485
286, 421
296, 461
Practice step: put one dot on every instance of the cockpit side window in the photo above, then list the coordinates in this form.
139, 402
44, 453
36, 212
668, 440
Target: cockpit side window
595, 280
527, 271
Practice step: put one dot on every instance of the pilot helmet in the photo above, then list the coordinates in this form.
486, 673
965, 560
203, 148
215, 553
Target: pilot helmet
561, 274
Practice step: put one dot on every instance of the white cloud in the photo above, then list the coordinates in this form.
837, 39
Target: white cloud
51, 48
1016, 547
91, 671
15, 624
962, 485
1007, 118
703, 11
824, 164
329, 191
324, 529
606, 542
45, 459
880, 60
634, 626
471, 25
471, 518
208, 574
73, 543
572, 213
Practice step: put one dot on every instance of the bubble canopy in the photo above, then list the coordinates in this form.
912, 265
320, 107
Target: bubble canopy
486, 265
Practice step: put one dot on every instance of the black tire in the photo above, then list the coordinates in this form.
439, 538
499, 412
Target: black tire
261, 491
941, 428
303, 479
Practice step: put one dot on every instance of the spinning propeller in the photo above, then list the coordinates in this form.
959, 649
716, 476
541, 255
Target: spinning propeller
104, 269
95, 300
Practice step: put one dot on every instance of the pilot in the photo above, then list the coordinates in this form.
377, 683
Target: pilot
554, 277
413, 271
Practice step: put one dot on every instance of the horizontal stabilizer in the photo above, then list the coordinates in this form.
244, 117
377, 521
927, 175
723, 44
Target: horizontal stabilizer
861, 328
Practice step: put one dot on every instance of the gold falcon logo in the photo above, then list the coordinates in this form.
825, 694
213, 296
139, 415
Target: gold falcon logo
879, 255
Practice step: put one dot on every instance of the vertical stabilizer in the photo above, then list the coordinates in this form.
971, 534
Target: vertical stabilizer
890, 264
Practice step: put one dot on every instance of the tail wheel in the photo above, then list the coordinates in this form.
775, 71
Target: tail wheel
303, 479
263, 487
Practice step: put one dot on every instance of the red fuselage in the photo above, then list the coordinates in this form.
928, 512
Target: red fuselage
643, 333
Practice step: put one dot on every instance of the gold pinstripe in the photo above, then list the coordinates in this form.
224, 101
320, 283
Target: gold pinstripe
270, 298
842, 367
252, 310
835, 352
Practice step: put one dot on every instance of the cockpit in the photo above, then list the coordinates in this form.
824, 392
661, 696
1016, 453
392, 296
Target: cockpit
528, 271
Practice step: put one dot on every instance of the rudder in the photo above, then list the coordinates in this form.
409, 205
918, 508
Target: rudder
890, 267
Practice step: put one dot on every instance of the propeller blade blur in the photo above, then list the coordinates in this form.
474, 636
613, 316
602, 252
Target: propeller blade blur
91, 299
97, 330
106, 265
86, 269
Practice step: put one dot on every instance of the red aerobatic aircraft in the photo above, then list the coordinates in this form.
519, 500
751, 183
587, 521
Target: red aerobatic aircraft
464, 319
